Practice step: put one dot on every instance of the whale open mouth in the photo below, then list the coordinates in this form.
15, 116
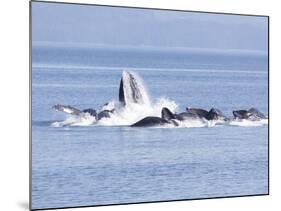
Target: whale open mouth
132, 90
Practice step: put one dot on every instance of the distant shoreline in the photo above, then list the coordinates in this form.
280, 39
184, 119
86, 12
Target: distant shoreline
147, 48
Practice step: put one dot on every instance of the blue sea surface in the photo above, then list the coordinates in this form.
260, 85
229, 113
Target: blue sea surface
97, 165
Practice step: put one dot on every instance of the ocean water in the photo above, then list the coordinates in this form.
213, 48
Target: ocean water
91, 164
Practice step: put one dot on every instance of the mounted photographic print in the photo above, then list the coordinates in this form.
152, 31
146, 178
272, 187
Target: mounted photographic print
136, 105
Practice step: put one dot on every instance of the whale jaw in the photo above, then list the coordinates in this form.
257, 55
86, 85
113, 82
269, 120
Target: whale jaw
131, 90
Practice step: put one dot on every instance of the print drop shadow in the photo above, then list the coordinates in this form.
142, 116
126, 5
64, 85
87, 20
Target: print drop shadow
24, 205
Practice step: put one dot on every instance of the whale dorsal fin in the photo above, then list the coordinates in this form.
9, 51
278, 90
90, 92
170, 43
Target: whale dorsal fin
67, 109
167, 114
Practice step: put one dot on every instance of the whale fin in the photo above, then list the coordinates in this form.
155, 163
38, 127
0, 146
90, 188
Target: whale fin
167, 114
67, 109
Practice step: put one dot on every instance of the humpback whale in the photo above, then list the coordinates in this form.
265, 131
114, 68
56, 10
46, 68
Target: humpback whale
89, 111
212, 114
251, 114
216, 114
151, 121
68, 109
166, 118
180, 116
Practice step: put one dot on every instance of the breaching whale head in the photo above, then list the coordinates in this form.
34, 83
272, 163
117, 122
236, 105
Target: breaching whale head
251, 114
257, 113
67, 109
131, 90
167, 114
241, 114
74, 111
216, 114
184, 116
212, 114
89, 111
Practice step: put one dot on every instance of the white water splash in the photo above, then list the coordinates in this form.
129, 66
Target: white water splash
248, 123
193, 123
73, 120
134, 112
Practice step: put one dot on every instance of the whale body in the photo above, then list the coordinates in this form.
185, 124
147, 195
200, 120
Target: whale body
199, 111
167, 118
82, 113
179, 116
151, 121
212, 114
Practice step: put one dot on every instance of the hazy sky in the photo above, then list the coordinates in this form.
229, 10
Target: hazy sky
138, 27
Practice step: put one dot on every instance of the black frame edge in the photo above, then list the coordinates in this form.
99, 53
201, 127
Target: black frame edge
152, 8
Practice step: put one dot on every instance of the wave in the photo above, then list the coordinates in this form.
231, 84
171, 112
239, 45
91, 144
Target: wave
75, 121
248, 123
132, 113
123, 118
